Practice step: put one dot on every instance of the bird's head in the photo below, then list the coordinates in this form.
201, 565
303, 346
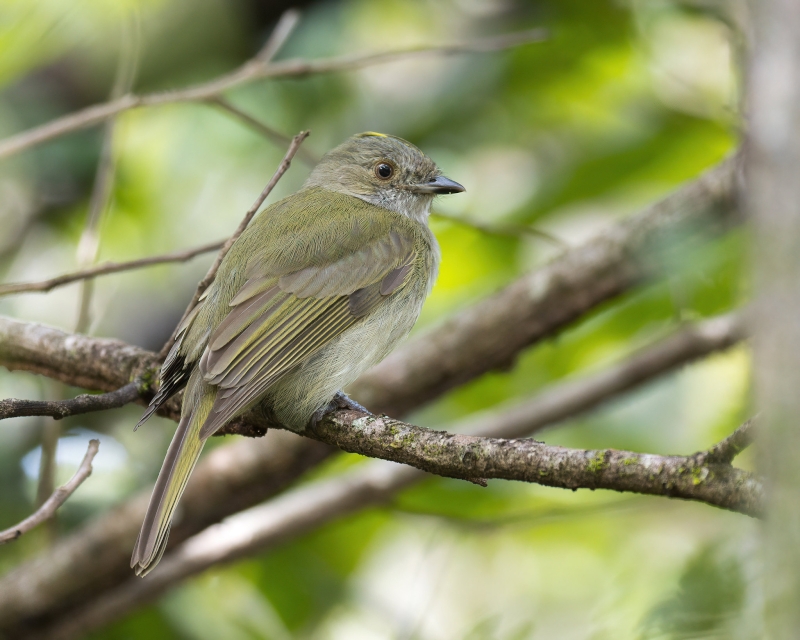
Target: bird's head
383, 170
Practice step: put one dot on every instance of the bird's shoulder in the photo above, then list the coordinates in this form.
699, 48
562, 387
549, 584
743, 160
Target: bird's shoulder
316, 227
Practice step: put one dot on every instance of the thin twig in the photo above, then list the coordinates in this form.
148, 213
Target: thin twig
46, 484
84, 403
283, 167
106, 268
505, 229
271, 134
286, 25
250, 71
59, 497
724, 452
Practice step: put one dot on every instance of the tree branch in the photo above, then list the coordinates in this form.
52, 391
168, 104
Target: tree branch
566, 399
85, 403
268, 132
306, 508
106, 268
254, 69
724, 452
283, 30
283, 167
470, 457
59, 497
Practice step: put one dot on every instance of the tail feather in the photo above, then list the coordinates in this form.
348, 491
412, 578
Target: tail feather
182, 455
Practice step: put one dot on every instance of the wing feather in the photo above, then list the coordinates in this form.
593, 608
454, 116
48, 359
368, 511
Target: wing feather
278, 321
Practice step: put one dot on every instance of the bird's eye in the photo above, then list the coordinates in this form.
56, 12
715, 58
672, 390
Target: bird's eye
384, 170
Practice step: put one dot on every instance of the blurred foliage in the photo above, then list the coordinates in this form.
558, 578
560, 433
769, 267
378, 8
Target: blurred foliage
626, 100
710, 596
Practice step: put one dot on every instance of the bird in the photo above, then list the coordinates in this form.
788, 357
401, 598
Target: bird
320, 286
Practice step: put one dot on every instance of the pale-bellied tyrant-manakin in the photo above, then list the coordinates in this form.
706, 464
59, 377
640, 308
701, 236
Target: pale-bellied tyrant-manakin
321, 286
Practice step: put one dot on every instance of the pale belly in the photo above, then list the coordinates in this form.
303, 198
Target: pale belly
312, 385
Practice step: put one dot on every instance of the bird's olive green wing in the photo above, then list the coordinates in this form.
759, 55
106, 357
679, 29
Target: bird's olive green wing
277, 321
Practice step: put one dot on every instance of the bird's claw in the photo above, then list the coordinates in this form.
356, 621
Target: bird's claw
341, 402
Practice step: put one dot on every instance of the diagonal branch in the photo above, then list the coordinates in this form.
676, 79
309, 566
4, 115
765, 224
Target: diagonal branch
724, 452
567, 399
283, 167
106, 268
283, 30
59, 497
268, 132
254, 69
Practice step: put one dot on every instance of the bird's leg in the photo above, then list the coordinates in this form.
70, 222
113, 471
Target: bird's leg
341, 401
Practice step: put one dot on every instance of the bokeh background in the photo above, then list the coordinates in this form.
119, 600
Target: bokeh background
623, 102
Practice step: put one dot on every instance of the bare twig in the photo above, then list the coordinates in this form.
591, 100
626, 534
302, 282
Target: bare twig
283, 30
724, 452
58, 498
46, 483
212, 272
268, 132
105, 269
84, 403
250, 71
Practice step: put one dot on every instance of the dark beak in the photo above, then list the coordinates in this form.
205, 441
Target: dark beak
439, 185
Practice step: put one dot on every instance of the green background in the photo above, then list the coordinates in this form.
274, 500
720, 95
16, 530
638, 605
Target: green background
622, 103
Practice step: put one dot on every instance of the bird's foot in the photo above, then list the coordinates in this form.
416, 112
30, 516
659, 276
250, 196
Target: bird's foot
341, 402
345, 402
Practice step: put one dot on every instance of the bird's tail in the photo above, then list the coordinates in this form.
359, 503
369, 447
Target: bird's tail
183, 452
